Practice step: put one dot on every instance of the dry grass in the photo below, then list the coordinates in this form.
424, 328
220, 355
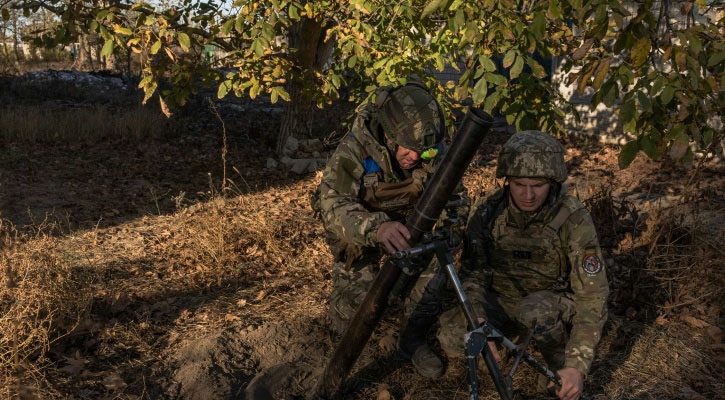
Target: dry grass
668, 362
134, 288
44, 123
43, 297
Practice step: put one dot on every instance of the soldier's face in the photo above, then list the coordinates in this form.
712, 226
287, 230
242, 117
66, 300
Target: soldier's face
407, 158
529, 193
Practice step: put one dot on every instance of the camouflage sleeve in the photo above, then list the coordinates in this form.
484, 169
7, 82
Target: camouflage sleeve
588, 279
340, 204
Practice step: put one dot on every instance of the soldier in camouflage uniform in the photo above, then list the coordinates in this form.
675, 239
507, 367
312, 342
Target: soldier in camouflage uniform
372, 181
532, 255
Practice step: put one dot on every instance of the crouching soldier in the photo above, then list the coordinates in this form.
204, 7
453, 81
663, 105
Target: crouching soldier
532, 254
371, 183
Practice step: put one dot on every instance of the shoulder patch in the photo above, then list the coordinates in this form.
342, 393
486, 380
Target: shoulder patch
370, 166
591, 264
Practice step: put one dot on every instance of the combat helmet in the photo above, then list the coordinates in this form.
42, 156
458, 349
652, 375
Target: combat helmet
532, 154
410, 116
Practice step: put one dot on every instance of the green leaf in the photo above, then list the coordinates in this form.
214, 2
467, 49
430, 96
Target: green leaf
254, 90
239, 24
536, 68
538, 26
456, 3
667, 94
149, 92
431, 7
227, 27
145, 81
494, 78
293, 12
184, 41
273, 96
627, 111
640, 51
282, 93
491, 102
517, 68
716, 58
155, 47
479, 91
487, 64
124, 31
258, 47
628, 153
601, 73
695, 44
508, 59
107, 48
644, 102
438, 60
649, 147
224, 88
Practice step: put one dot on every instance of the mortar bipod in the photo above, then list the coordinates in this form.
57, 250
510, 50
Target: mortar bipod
477, 339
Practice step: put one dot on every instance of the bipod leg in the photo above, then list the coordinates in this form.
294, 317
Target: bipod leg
475, 341
522, 351
503, 386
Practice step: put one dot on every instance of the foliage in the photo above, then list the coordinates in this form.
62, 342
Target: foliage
667, 78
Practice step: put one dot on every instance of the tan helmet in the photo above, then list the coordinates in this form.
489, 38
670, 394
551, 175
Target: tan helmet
532, 154
410, 116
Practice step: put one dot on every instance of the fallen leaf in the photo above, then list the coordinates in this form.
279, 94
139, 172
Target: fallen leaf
75, 364
114, 382
661, 320
261, 295
242, 302
716, 334
231, 317
383, 393
694, 322
387, 344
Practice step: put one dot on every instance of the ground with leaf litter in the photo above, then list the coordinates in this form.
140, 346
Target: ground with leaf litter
129, 272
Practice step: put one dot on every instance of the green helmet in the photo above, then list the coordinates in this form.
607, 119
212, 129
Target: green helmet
532, 154
410, 116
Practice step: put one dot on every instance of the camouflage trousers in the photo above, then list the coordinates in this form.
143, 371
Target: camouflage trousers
552, 312
350, 285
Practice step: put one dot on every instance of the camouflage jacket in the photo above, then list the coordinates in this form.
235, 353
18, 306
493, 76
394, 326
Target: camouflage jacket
518, 253
348, 219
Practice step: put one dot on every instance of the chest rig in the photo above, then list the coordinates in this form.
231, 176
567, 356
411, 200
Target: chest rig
394, 198
523, 260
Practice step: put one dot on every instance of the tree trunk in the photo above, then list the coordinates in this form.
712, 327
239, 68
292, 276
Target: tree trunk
16, 41
311, 52
85, 61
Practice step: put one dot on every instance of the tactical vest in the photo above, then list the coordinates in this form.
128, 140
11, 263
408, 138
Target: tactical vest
523, 261
394, 198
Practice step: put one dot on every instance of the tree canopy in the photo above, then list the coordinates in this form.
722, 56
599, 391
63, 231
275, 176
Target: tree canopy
660, 62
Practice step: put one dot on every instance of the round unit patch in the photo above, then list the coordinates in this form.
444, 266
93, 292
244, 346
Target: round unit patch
592, 264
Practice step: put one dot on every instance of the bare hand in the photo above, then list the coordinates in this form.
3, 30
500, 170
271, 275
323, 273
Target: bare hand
572, 384
394, 236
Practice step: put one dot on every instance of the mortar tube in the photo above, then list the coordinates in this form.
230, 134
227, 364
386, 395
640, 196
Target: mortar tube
466, 142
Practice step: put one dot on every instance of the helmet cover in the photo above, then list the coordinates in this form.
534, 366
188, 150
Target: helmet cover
532, 154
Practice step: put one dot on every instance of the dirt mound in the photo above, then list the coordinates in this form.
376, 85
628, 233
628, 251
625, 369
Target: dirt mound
273, 361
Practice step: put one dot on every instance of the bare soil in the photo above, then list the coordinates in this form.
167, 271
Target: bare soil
194, 292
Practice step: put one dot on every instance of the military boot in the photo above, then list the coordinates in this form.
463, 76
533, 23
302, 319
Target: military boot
426, 361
